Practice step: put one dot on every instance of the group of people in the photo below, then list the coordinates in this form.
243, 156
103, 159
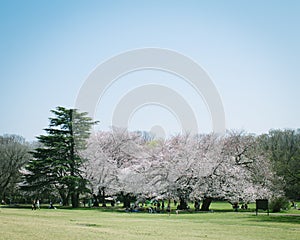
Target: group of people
155, 207
244, 206
159, 207
35, 204
236, 206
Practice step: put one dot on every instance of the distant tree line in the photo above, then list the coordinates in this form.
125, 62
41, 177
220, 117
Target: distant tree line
69, 163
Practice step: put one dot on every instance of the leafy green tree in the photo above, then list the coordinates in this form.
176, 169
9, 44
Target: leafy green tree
56, 163
13, 156
284, 150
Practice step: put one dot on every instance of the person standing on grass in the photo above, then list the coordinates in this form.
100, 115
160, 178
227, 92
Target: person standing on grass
33, 206
38, 204
51, 205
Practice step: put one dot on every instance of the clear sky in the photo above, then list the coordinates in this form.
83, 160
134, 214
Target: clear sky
251, 50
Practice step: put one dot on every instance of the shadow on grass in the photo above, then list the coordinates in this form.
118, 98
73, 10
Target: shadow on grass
262, 216
120, 209
100, 209
279, 218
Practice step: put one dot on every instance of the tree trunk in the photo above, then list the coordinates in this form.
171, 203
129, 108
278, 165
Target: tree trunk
126, 201
72, 158
96, 202
103, 197
4, 187
197, 205
75, 200
64, 197
182, 204
205, 204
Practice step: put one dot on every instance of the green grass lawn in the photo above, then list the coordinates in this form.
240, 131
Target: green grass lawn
99, 224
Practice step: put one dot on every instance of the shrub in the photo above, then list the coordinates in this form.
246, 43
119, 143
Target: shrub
279, 203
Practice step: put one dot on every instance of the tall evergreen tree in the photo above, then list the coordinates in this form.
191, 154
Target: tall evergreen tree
56, 163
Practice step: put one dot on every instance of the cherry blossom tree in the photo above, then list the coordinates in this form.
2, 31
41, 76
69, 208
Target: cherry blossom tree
185, 167
113, 160
241, 171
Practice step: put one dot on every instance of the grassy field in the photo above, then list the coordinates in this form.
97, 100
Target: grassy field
99, 224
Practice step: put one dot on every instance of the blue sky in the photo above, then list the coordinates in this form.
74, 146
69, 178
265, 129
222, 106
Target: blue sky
251, 50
